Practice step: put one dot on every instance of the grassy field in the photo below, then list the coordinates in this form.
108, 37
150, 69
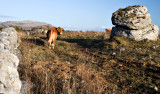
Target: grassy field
89, 63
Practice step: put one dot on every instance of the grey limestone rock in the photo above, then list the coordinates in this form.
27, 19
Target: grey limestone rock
8, 39
9, 76
150, 33
132, 17
135, 23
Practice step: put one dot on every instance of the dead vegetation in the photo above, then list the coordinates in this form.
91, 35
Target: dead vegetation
84, 63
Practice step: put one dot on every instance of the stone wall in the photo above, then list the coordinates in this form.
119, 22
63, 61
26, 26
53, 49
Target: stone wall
9, 76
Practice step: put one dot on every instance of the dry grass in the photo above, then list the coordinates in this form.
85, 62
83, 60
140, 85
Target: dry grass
82, 62
92, 81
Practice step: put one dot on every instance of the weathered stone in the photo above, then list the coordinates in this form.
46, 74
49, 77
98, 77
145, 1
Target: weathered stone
40, 30
8, 70
113, 53
1, 46
133, 17
9, 76
135, 23
24, 87
12, 35
150, 33
122, 49
45, 31
6, 43
8, 37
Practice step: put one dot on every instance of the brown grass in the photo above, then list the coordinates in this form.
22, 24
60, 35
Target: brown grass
82, 62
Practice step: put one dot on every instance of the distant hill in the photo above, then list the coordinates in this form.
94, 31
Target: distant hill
25, 25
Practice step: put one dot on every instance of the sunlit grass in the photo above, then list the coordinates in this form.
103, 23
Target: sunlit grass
83, 63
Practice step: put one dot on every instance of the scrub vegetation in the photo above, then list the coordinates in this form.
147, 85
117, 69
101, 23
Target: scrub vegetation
89, 63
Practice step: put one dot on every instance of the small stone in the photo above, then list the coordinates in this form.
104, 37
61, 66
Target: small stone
68, 62
122, 49
155, 46
113, 53
45, 31
155, 88
24, 87
28, 33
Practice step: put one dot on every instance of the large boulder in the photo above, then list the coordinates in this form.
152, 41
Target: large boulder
135, 23
138, 35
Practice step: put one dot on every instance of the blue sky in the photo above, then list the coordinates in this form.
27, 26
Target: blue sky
72, 14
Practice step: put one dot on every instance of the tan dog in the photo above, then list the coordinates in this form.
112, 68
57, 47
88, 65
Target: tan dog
52, 36
108, 30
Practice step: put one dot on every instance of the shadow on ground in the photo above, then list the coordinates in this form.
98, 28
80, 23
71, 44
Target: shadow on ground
87, 43
35, 41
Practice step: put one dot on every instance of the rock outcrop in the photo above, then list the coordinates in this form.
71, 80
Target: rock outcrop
25, 25
9, 76
135, 23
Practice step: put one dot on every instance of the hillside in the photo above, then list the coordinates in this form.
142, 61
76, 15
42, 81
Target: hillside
89, 63
24, 25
